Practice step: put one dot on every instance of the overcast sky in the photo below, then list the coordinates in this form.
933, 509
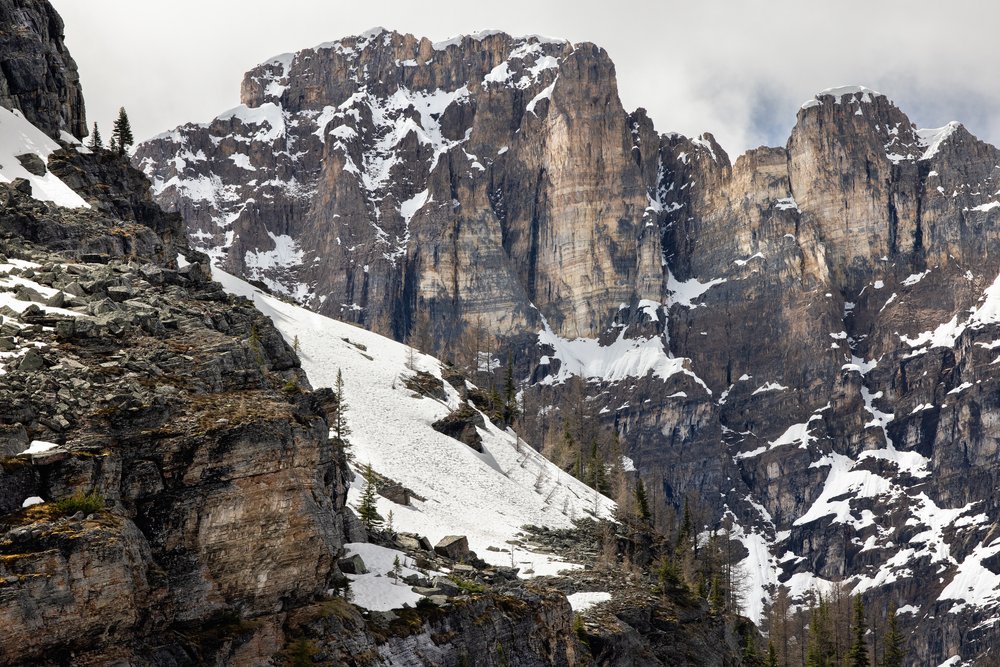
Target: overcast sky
737, 68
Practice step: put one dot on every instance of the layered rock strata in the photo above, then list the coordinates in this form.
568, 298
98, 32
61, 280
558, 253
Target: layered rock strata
801, 338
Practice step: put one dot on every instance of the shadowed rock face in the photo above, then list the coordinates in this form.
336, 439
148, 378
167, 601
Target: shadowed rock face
37, 74
803, 337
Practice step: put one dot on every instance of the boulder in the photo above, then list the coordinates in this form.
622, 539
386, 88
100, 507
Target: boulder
32, 164
353, 564
455, 547
461, 425
413, 542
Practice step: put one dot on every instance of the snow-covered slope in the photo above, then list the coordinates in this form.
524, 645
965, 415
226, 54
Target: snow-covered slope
19, 137
488, 497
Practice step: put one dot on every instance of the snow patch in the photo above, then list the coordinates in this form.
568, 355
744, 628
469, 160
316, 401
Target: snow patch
20, 137
585, 600
685, 293
486, 496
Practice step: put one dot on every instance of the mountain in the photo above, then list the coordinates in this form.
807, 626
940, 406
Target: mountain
174, 491
802, 340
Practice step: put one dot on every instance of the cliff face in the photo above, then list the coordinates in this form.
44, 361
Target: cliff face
802, 338
385, 172
37, 74
169, 490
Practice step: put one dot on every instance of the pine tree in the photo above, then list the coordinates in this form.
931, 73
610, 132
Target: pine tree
397, 569
368, 511
772, 655
510, 408
687, 526
893, 642
340, 428
820, 652
595, 475
858, 656
121, 137
96, 141
716, 597
751, 658
642, 502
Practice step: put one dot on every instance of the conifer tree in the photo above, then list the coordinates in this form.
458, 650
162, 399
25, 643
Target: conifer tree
687, 526
858, 656
893, 642
368, 511
510, 409
340, 428
772, 655
716, 597
642, 502
751, 658
96, 141
121, 137
820, 652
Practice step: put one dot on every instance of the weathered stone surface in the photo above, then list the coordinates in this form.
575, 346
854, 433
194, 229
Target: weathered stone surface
32, 164
461, 425
352, 565
455, 547
38, 77
413, 542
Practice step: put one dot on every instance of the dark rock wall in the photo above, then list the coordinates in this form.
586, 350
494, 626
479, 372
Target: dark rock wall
37, 74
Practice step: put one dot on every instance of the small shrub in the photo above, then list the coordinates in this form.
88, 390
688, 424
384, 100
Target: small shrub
426, 603
300, 654
468, 585
78, 502
580, 630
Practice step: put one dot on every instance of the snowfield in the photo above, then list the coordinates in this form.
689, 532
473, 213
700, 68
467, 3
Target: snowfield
487, 497
20, 137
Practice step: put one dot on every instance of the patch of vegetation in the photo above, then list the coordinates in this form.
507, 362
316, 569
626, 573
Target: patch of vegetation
300, 653
340, 608
90, 503
580, 630
467, 585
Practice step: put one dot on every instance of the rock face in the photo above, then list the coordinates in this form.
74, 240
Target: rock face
163, 396
169, 490
382, 176
802, 338
38, 76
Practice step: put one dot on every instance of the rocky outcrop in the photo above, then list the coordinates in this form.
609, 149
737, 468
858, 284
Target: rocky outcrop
163, 398
38, 77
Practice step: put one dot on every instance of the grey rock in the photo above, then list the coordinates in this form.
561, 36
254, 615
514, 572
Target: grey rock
32, 164
353, 564
31, 361
455, 547
413, 542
